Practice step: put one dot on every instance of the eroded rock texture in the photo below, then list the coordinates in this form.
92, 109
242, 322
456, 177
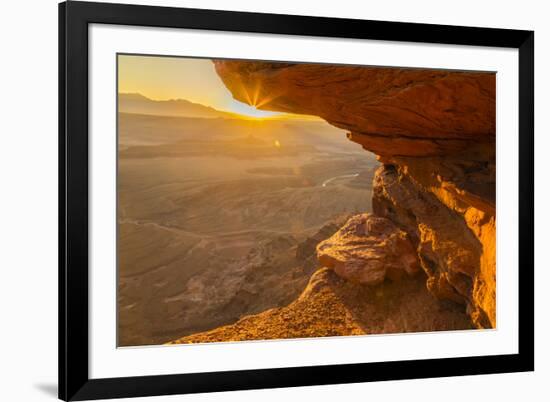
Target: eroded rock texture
332, 306
367, 249
434, 132
454, 240
390, 111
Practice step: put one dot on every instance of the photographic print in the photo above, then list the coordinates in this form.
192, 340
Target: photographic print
254, 201
262, 200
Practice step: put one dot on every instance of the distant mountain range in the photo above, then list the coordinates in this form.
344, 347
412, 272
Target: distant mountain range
136, 103
139, 104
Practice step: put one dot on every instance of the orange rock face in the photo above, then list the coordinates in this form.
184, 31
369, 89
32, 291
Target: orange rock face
390, 111
367, 249
434, 132
452, 243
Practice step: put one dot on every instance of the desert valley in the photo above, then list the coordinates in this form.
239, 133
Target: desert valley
219, 215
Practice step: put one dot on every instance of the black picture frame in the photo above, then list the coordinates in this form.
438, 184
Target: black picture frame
74, 18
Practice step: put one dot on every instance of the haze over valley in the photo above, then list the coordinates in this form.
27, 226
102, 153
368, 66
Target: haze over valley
219, 215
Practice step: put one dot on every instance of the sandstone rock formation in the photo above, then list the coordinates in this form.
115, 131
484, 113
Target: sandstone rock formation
367, 249
390, 111
455, 240
434, 132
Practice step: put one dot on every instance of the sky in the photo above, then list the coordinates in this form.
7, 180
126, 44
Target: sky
163, 78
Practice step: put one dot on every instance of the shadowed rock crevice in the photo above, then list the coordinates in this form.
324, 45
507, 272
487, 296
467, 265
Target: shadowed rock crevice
449, 251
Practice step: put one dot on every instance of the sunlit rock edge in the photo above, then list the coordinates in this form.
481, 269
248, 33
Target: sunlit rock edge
434, 132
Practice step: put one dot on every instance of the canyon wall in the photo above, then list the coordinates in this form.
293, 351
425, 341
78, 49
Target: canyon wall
434, 134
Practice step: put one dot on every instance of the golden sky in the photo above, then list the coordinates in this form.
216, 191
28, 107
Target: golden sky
163, 78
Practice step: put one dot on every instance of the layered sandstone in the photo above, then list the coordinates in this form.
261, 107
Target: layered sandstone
434, 132
367, 249
390, 111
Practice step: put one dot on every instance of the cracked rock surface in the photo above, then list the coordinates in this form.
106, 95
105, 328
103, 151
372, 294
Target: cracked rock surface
367, 249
